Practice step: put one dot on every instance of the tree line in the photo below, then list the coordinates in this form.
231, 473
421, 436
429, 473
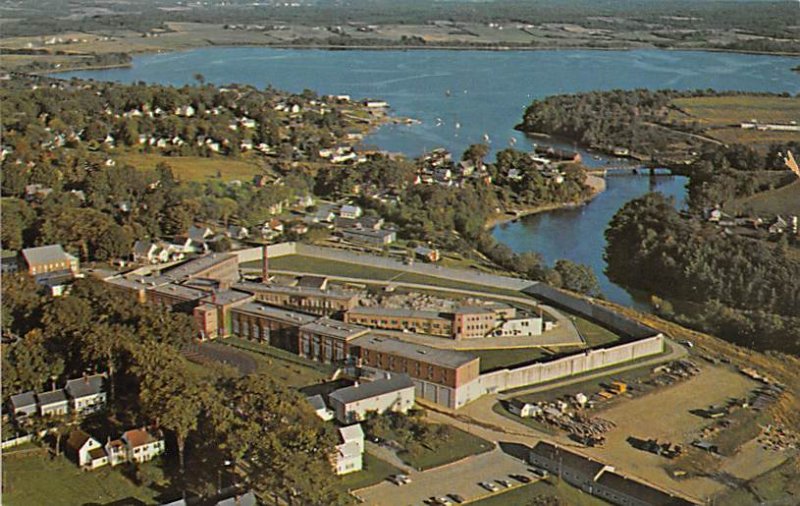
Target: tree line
744, 290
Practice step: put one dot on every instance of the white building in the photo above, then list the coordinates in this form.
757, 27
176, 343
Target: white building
53, 403
349, 453
523, 409
393, 392
143, 445
318, 405
520, 327
86, 393
87, 450
351, 212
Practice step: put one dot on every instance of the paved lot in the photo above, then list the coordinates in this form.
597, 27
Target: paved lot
461, 478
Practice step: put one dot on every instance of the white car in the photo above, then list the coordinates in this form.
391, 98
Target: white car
400, 479
491, 487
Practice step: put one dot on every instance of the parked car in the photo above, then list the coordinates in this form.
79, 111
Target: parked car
400, 479
457, 498
542, 473
521, 478
491, 487
504, 483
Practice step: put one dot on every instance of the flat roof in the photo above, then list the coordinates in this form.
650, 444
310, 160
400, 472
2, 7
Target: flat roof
574, 461
427, 354
227, 297
196, 265
127, 283
250, 286
639, 490
334, 328
275, 313
181, 291
358, 392
398, 312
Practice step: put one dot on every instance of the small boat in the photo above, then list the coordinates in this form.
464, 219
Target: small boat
458, 125
486, 138
447, 93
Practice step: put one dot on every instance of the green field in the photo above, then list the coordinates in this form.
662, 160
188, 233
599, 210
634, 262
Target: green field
544, 488
35, 479
280, 365
719, 111
194, 168
375, 471
498, 359
594, 334
460, 445
784, 201
778, 486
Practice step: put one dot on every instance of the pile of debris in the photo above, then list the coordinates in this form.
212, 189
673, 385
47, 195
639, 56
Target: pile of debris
776, 437
673, 372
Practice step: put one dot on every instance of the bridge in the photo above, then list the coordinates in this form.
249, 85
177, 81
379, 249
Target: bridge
627, 170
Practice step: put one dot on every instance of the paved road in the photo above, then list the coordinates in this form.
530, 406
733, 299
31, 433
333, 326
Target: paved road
460, 477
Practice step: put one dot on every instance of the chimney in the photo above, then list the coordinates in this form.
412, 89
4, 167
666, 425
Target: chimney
265, 264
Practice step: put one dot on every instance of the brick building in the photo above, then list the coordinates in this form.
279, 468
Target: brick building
310, 300
268, 324
328, 340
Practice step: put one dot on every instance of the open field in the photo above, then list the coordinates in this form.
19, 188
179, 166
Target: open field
544, 488
280, 365
784, 201
594, 334
35, 479
195, 168
772, 487
374, 471
666, 416
723, 111
460, 445
498, 359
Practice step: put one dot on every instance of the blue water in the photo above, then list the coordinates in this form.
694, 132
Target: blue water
488, 92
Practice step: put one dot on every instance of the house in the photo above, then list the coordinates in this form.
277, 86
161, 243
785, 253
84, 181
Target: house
150, 252
199, 235
305, 201
427, 254
523, 409
246, 499
392, 392
237, 232
86, 450
318, 405
9, 261
116, 452
51, 258
56, 283
143, 445
299, 229
53, 403
350, 211
87, 393
37, 192
349, 453
23, 405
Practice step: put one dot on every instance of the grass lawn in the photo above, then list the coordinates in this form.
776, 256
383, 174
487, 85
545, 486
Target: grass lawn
544, 488
461, 444
778, 486
498, 359
738, 109
594, 334
529, 422
36, 480
784, 201
375, 471
194, 168
282, 366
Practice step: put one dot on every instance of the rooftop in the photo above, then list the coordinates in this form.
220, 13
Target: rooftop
579, 463
359, 392
139, 437
641, 491
52, 397
195, 266
317, 402
366, 232
225, 297
398, 312
85, 386
24, 399
351, 433
45, 254
276, 313
250, 286
315, 282
180, 291
334, 328
427, 354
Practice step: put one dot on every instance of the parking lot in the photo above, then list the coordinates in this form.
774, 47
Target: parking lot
460, 478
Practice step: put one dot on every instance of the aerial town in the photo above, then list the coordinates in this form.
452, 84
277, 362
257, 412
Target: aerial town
399, 253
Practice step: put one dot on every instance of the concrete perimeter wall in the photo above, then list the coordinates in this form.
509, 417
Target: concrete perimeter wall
621, 324
581, 362
273, 250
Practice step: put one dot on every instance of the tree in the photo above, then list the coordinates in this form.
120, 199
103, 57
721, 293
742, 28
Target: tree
577, 277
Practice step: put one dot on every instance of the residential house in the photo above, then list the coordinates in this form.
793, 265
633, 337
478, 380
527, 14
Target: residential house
51, 258
87, 393
150, 252
392, 392
23, 405
349, 453
116, 451
427, 254
317, 403
200, 236
86, 450
350, 211
143, 445
53, 403
237, 232
246, 499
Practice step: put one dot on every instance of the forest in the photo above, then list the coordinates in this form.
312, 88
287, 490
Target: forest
740, 289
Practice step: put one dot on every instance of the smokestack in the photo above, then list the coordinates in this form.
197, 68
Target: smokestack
265, 264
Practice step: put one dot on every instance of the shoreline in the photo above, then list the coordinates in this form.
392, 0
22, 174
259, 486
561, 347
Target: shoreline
596, 184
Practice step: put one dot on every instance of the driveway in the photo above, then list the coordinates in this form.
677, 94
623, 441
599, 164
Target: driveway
461, 477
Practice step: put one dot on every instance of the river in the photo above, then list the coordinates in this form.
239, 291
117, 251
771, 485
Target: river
461, 97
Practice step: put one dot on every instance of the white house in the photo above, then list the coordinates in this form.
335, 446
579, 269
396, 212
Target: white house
349, 453
143, 445
394, 392
318, 405
349, 211
88, 451
87, 393
53, 403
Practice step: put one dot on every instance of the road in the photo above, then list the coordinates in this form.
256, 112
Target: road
461, 477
